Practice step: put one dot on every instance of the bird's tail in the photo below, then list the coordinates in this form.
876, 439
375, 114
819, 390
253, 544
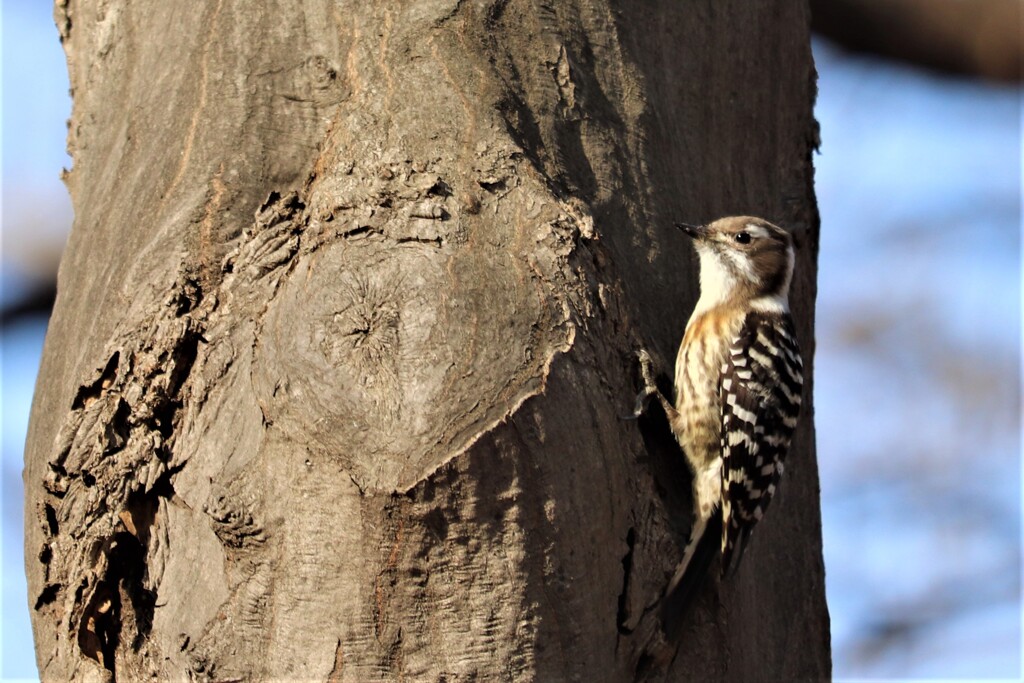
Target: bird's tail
732, 550
704, 546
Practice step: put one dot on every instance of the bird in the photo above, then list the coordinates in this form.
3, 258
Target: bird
738, 384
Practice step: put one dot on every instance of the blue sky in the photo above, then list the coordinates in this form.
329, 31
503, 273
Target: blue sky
918, 360
918, 370
36, 209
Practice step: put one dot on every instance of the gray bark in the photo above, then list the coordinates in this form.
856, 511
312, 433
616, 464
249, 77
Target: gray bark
348, 316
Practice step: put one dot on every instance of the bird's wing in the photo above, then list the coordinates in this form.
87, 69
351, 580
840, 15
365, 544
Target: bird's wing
759, 389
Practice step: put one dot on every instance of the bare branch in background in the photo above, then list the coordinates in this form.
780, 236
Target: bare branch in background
38, 301
980, 38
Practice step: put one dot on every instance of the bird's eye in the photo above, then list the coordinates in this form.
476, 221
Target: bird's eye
743, 237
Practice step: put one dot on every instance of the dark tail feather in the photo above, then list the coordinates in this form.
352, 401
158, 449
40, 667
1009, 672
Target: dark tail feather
679, 598
661, 645
733, 552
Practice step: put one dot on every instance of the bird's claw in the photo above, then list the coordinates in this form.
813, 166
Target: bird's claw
650, 388
646, 369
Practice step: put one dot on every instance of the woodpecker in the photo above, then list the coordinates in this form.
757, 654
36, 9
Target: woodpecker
738, 382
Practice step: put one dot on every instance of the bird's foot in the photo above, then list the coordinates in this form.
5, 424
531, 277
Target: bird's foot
650, 388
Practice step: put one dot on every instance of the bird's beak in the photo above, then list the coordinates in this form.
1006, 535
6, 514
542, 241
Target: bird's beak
695, 231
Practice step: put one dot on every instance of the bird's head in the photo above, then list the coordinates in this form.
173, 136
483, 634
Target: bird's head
742, 259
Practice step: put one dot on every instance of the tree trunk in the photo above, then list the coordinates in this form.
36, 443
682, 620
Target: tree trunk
349, 315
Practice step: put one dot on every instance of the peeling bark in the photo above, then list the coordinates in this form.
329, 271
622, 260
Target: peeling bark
346, 322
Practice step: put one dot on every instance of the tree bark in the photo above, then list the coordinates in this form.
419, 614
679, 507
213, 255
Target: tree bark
347, 320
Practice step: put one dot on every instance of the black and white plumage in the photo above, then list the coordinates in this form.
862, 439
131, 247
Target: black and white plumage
759, 394
738, 382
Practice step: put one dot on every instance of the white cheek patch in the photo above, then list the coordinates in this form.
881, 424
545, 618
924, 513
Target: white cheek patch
742, 264
756, 230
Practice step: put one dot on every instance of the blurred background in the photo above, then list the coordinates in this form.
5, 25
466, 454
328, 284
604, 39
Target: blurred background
918, 367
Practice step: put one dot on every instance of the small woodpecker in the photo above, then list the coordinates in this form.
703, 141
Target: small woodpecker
738, 381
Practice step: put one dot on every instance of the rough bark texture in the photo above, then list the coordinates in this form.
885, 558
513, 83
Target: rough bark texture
347, 319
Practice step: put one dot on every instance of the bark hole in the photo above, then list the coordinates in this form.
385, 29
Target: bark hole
48, 594
87, 393
51, 519
100, 626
